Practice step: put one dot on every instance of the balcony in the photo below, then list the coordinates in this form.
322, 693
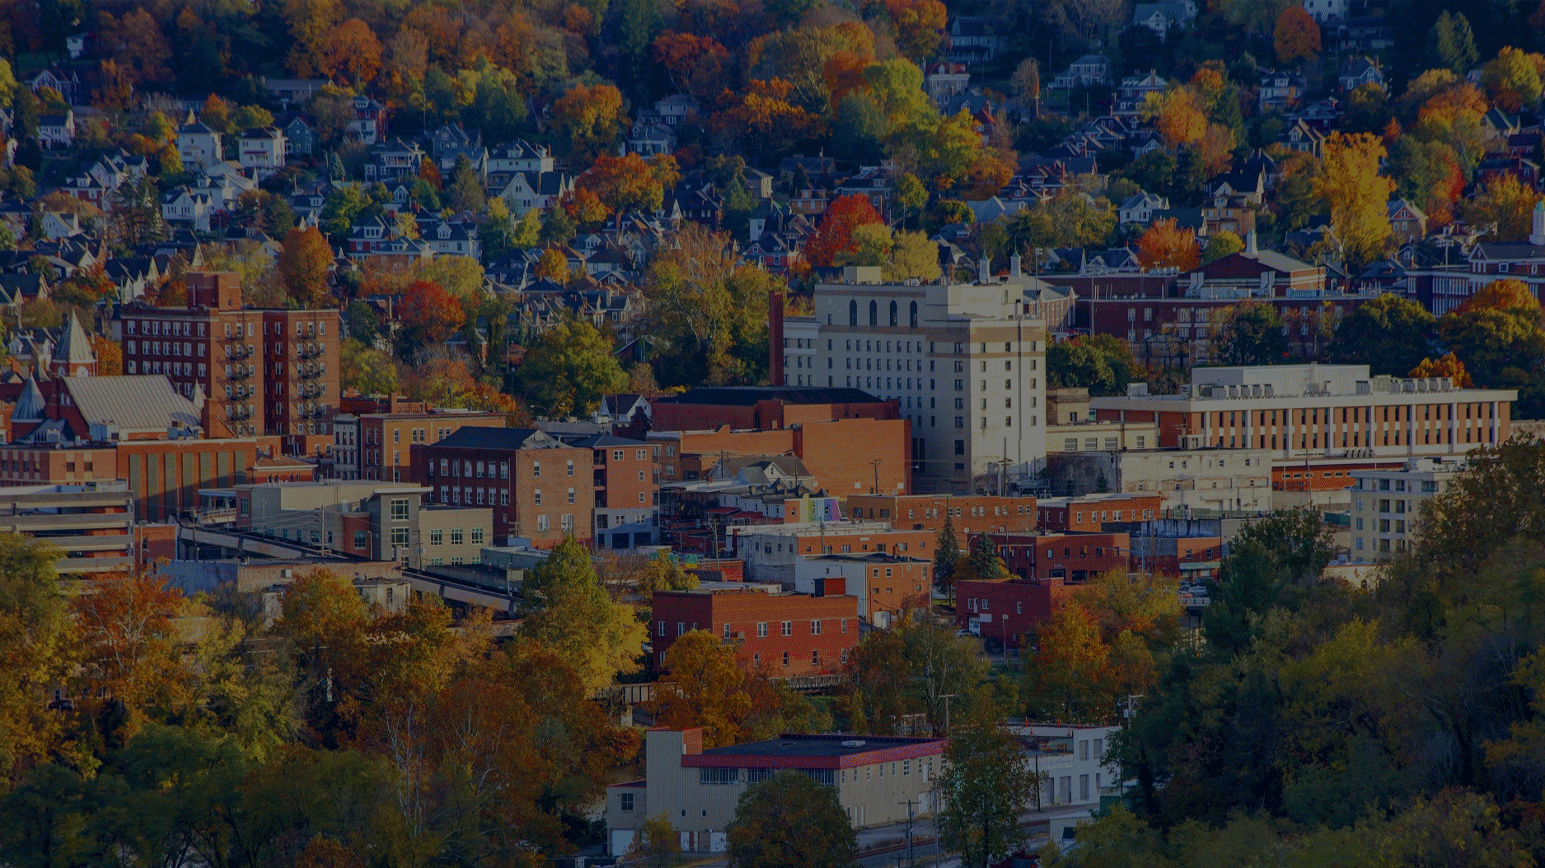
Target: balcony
237, 412
307, 372
307, 351
238, 351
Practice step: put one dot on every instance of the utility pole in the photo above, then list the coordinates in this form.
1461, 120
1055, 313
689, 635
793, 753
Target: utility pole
911, 860
947, 697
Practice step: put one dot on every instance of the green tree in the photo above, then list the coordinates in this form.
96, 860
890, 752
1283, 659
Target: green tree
465, 192
984, 788
985, 562
1389, 334
707, 312
913, 256
1102, 364
1251, 333
1222, 243
570, 613
706, 686
947, 554
570, 368
1451, 44
365, 368
788, 821
37, 642
344, 204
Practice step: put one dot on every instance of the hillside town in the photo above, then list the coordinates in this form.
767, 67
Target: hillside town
429, 432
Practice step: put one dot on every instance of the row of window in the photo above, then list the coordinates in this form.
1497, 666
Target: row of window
184, 328
786, 628
437, 536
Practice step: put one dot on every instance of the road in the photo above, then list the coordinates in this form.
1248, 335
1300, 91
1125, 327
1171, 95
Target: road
884, 846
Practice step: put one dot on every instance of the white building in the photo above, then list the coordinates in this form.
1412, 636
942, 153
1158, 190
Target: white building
1071, 761
263, 150
965, 361
199, 146
1387, 504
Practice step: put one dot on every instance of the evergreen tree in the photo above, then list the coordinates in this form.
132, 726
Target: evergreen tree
946, 554
984, 560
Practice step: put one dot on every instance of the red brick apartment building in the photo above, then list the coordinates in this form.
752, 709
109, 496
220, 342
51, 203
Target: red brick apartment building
539, 487
272, 372
1007, 610
825, 447
626, 484
378, 446
984, 514
780, 634
1073, 557
1088, 514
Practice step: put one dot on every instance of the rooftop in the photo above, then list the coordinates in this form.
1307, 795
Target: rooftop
748, 396
788, 745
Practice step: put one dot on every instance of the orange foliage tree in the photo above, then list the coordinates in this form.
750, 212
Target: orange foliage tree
351, 50
1180, 115
109, 356
1446, 365
590, 119
1507, 294
132, 653
919, 26
1296, 35
1166, 245
553, 266
696, 64
429, 314
623, 183
764, 118
834, 234
304, 262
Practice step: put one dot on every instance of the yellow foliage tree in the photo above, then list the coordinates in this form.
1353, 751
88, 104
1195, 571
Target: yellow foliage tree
1180, 114
1358, 195
1446, 365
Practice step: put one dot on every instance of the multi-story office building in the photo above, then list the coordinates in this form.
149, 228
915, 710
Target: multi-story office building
1387, 504
964, 361
271, 372
1306, 411
538, 486
771, 551
379, 445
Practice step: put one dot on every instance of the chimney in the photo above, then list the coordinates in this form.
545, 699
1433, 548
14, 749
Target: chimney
1250, 249
1014, 265
775, 338
984, 270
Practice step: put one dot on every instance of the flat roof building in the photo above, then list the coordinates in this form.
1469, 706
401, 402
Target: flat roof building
1387, 505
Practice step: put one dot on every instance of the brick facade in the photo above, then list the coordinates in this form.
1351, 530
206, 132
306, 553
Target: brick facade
1007, 610
976, 514
780, 634
1072, 557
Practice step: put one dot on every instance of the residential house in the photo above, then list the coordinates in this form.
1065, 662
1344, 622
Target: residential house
1359, 71
1366, 34
1164, 16
1138, 209
1091, 69
450, 239
300, 139
1325, 10
394, 161
1408, 222
869, 182
293, 91
1301, 136
198, 146
368, 123
676, 108
262, 151
527, 190
974, 39
1133, 91
1279, 91
57, 131
518, 156
189, 205
943, 79
65, 81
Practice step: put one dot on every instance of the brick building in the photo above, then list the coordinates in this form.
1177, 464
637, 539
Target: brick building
761, 407
885, 586
1071, 557
626, 481
1088, 514
272, 372
778, 633
884, 464
538, 486
972, 514
770, 551
379, 446
1007, 610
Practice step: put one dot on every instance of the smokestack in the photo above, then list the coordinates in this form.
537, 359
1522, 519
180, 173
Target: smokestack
984, 270
1250, 243
1014, 265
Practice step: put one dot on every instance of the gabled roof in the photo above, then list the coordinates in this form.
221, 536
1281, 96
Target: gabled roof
74, 347
500, 438
132, 403
30, 406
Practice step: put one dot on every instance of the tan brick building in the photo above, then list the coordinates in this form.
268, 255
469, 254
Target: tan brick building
538, 486
378, 446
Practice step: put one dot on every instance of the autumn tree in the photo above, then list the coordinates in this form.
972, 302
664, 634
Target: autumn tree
1447, 366
1220, 244
37, 651
1296, 36
589, 119
304, 263
623, 183
1179, 114
131, 649
703, 685
570, 368
1451, 43
553, 265
707, 311
1507, 204
429, 316
1165, 245
366, 369
919, 26
1513, 78
834, 233
570, 613
1358, 196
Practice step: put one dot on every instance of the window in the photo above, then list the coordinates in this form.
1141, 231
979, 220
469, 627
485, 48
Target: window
718, 777
399, 536
477, 536
788, 628
542, 523
761, 630
359, 539
399, 509
815, 628
571, 495
456, 536
571, 468
436, 536
536, 469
